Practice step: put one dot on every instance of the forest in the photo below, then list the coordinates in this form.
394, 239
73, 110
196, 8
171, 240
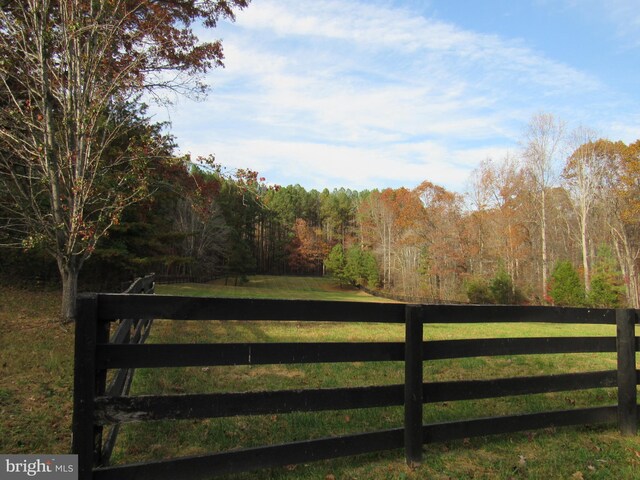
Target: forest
92, 192
543, 227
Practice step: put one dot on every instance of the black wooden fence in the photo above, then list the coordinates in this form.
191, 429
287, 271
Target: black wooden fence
127, 331
97, 406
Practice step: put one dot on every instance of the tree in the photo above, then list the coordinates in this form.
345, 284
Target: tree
607, 287
336, 262
361, 267
620, 196
376, 217
542, 142
307, 249
441, 233
71, 72
565, 288
480, 196
584, 174
496, 226
502, 289
199, 220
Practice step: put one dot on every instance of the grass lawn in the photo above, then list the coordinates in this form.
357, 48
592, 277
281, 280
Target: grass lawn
35, 395
36, 373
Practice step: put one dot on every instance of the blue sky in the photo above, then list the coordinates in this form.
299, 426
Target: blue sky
375, 94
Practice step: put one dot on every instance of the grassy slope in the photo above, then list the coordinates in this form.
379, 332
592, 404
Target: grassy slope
35, 396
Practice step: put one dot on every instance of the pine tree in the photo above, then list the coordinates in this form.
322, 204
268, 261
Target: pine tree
336, 262
607, 287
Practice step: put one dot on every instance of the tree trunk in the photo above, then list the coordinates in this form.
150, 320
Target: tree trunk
543, 234
627, 261
69, 276
584, 239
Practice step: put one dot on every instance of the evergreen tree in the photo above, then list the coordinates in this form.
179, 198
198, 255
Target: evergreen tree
501, 288
354, 269
607, 288
372, 274
566, 288
335, 263
361, 267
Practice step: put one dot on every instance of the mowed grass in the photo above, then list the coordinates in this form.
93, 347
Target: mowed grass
583, 452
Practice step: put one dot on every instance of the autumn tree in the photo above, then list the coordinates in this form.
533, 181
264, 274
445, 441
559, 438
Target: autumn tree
621, 196
199, 220
480, 196
376, 217
70, 71
542, 142
390, 225
441, 231
497, 232
584, 174
307, 249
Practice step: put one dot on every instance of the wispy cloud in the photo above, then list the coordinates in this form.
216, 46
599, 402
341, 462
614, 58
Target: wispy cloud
361, 95
624, 15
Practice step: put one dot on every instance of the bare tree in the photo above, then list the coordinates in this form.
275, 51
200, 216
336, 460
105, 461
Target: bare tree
584, 174
542, 142
70, 73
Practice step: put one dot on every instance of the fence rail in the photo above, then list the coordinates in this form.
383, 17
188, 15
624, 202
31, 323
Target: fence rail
98, 407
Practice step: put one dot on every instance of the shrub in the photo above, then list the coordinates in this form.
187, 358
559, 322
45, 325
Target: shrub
478, 291
501, 288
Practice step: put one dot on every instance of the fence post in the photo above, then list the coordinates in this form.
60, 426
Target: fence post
103, 331
413, 386
84, 385
627, 380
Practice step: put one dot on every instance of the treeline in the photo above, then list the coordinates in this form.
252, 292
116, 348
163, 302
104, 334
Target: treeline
558, 224
198, 223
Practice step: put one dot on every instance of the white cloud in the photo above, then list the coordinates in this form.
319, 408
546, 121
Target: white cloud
628, 131
319, 166
625, 15
354, 94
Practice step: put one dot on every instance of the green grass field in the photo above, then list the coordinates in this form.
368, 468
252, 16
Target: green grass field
35, 395
564, 453
264, 286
